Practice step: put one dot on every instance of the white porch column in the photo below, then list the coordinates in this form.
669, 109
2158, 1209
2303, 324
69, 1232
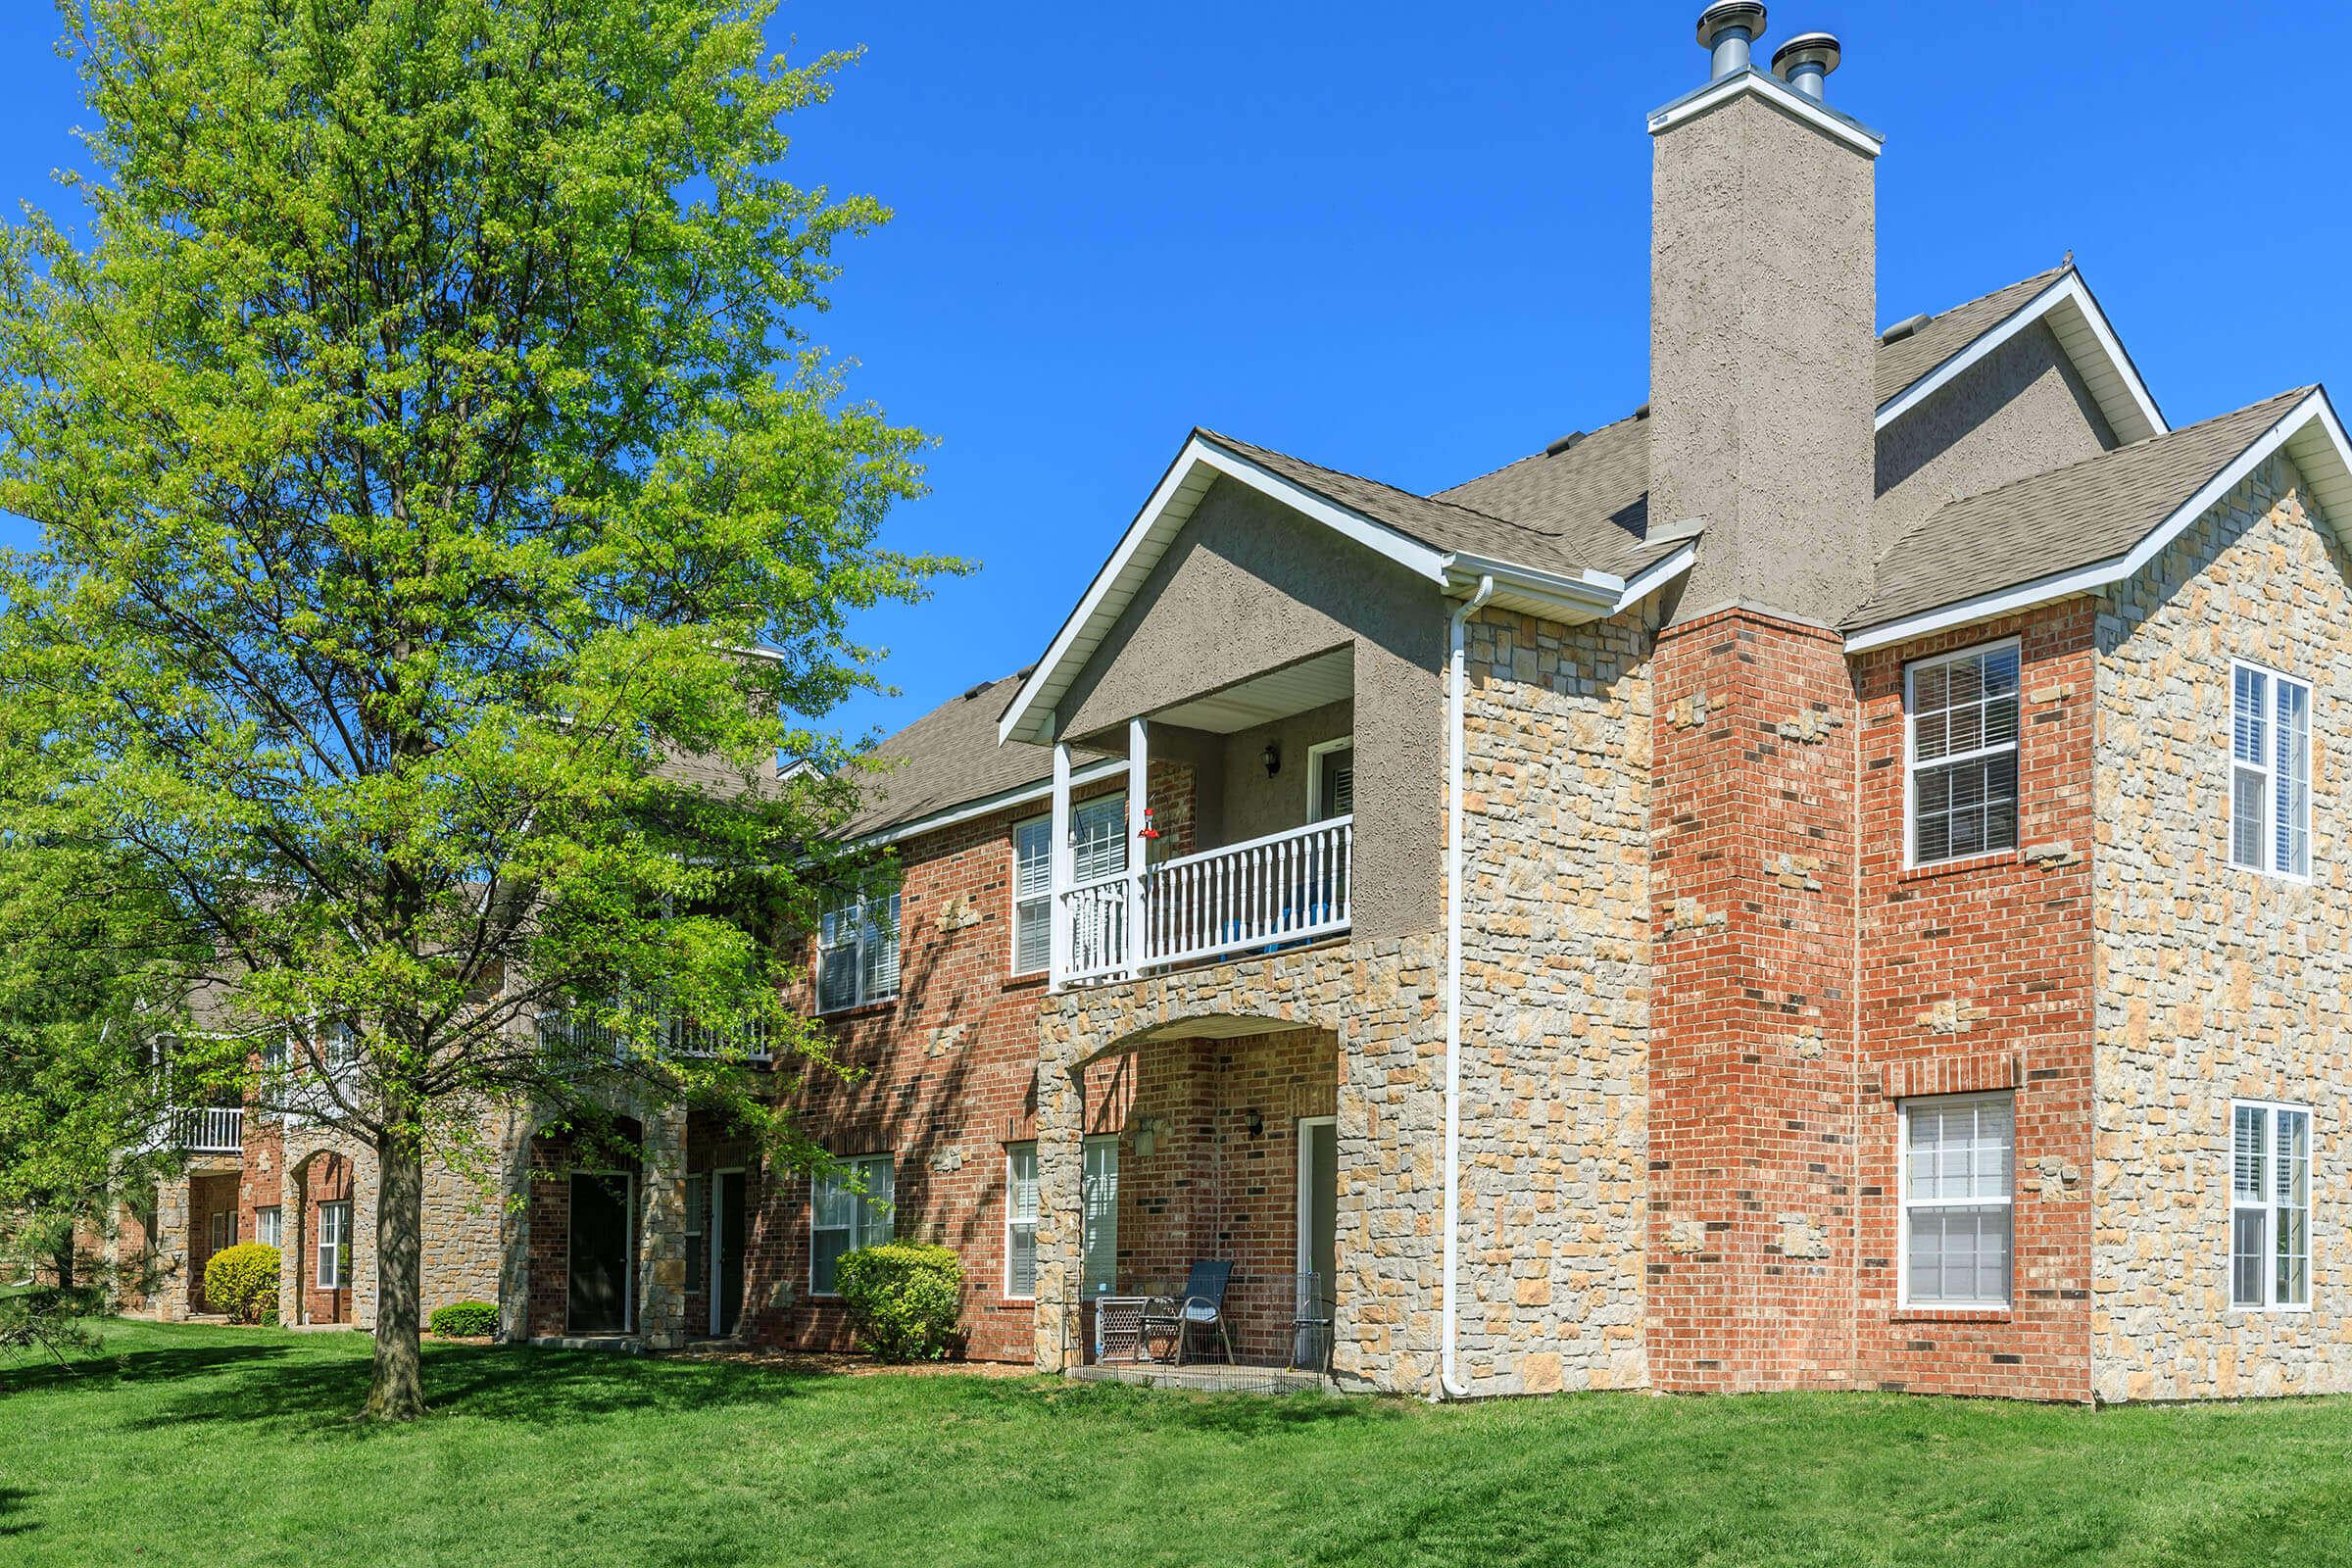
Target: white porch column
1058, 914
1138, 797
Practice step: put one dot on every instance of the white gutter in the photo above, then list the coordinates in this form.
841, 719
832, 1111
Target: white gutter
1458, 703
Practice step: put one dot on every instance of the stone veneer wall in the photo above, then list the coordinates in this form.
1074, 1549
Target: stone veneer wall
1555, 999
1381, 999
2217, 982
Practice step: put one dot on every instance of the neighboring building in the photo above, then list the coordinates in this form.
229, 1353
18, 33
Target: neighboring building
1827, 881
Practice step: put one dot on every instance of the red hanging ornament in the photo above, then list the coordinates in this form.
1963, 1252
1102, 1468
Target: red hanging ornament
1148, 832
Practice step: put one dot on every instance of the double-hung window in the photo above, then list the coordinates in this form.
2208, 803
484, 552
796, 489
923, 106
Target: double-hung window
1963, 716
268, 1227
2270, 1206
858, 948
1021, 1220
1100, 1230
1098, 849
1958, 1154
848, 1207
334, 1246
2269, 772
1032, 895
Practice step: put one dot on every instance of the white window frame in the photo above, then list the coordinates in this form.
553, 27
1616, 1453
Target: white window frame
1013, 1219
224, 1230
2271, 1110
1315, 754
1911, 762
1012, 944
855, 905
2267, 771
270, 1225
865, 1228
1903, 1203
341, 1242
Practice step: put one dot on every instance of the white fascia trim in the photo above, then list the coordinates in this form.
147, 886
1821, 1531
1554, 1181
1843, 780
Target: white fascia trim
1655, 576
1199, 451
2068, 289
1772, 90
1587, 591
2098, 574
1003, 800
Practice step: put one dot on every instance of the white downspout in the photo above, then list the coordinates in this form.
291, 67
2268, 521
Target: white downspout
1458, 703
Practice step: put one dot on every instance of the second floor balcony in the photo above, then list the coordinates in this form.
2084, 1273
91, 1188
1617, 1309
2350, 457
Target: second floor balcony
1234, 833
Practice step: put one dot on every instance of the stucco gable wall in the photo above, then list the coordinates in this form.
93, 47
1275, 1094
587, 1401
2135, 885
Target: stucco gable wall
2022, 409
1250, 586
2215, 982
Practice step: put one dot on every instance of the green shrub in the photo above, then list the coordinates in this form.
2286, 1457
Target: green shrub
242, 1282
465, 1320
903, 1299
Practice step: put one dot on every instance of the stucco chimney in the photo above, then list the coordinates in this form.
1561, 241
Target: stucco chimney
1762, 330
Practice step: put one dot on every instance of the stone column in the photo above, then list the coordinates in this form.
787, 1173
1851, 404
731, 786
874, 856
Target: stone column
662, 1252
1060, 1186
172, 1283
515, 1233
365, 1189
293, 1233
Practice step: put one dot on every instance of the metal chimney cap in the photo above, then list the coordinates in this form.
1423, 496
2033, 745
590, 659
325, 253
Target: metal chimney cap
1730, 13
1806, 49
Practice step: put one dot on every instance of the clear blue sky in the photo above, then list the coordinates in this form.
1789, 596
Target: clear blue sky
1411, 240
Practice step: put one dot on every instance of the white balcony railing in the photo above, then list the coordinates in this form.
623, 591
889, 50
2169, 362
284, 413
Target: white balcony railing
585, 1043
209, 1130
1268, 893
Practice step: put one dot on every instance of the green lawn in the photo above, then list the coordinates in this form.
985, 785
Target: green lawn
216, 1446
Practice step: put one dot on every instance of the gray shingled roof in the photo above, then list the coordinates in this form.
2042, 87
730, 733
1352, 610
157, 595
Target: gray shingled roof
1907, 360
1584, 507
2078, 516
1561, 540
947, 757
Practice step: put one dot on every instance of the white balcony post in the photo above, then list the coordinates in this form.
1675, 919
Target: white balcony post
1058, 914
1138, 797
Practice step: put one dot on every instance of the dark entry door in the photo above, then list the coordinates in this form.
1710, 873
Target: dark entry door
600, 1255
729, 1273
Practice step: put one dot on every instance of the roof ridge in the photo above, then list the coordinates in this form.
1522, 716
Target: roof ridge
2047, 475
2047, 273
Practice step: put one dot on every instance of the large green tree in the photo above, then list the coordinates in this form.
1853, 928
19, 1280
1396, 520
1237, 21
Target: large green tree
446, 522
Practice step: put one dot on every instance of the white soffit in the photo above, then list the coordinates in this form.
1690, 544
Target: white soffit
2082, 330
1277, 694
2309, 432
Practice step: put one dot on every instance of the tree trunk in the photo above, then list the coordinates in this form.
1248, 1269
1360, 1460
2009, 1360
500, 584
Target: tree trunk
396, 1391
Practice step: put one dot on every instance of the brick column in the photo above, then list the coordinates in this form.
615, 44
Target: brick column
1753, 1053
662, 1250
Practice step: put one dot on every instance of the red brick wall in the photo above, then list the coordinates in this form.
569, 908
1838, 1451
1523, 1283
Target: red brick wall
1750, 1066
261, 1180
1977, 975
1807, 983
208, 1195
1222, 1179
946, 1081
329, 1182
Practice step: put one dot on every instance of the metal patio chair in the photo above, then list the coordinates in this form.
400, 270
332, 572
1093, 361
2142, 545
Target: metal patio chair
1172, 1319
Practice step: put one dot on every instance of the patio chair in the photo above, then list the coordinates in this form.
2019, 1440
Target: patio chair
1199, 1305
